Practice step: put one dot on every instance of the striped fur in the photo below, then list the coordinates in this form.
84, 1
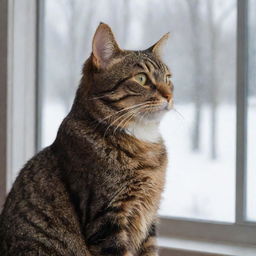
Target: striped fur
97, 188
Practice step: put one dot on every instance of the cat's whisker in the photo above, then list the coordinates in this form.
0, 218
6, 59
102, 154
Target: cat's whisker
112, 123
129, 112
179, 114
124, 109
137, 113
147, 103
119, 125
142, 116
116, 113
124, 115
127, 119
134, 107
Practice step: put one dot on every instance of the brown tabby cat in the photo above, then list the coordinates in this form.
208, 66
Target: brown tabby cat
96, 189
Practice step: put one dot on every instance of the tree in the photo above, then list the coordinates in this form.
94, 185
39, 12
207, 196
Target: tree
214, 28
126, 22
79, 19
198, 68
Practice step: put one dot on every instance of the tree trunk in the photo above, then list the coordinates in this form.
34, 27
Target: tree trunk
194, 12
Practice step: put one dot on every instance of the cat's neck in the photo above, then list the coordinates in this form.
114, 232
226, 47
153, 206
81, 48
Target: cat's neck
148, 132
85, 141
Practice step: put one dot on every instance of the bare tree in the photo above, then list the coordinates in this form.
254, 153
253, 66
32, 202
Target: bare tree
78, 20
214, 27
198, 68
126, 22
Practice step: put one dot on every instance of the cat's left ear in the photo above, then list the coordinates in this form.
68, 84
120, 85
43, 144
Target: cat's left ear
158, 46
104, 46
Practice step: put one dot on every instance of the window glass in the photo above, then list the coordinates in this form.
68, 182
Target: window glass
251, 114
200, 132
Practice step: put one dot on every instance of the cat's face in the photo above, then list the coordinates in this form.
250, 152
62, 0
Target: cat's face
128, 86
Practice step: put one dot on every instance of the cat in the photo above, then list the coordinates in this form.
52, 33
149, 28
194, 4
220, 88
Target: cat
96, 189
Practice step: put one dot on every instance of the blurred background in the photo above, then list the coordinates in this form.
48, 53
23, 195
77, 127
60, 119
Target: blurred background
200, 133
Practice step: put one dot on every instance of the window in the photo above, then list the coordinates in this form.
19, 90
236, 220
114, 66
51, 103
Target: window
200, 133
205, 132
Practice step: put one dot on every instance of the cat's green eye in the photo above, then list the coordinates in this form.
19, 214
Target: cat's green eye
141, 78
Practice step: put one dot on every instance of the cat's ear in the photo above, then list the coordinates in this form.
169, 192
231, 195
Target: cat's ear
158, 46
104, 46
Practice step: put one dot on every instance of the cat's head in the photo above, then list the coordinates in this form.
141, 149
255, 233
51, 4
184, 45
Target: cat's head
123, 86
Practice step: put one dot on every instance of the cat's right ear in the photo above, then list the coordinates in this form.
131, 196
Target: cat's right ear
104, 46
157, 47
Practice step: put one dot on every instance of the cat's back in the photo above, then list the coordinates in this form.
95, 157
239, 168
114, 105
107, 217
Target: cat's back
38, 216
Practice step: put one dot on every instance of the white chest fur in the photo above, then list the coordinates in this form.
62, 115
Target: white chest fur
148, 131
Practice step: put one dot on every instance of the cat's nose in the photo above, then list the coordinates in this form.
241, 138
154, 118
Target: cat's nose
168, 96
165, 92
170, 104
168, 100
167, 104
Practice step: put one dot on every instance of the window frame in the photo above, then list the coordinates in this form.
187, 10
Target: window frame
18, 48
19, 142
3, 97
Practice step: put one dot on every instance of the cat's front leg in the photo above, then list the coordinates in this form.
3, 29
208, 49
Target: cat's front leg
149, 247
109, 238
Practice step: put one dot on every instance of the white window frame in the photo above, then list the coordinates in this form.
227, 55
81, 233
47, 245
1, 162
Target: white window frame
3, 98
21, 26
18, 55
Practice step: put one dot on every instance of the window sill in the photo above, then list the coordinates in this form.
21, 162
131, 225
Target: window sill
178, 246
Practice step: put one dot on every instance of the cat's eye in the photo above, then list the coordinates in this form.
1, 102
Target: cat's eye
141, 78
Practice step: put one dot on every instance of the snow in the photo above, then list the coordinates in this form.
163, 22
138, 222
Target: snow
197, 186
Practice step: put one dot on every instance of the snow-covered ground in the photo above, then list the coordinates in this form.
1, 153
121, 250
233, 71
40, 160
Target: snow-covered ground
197, 186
